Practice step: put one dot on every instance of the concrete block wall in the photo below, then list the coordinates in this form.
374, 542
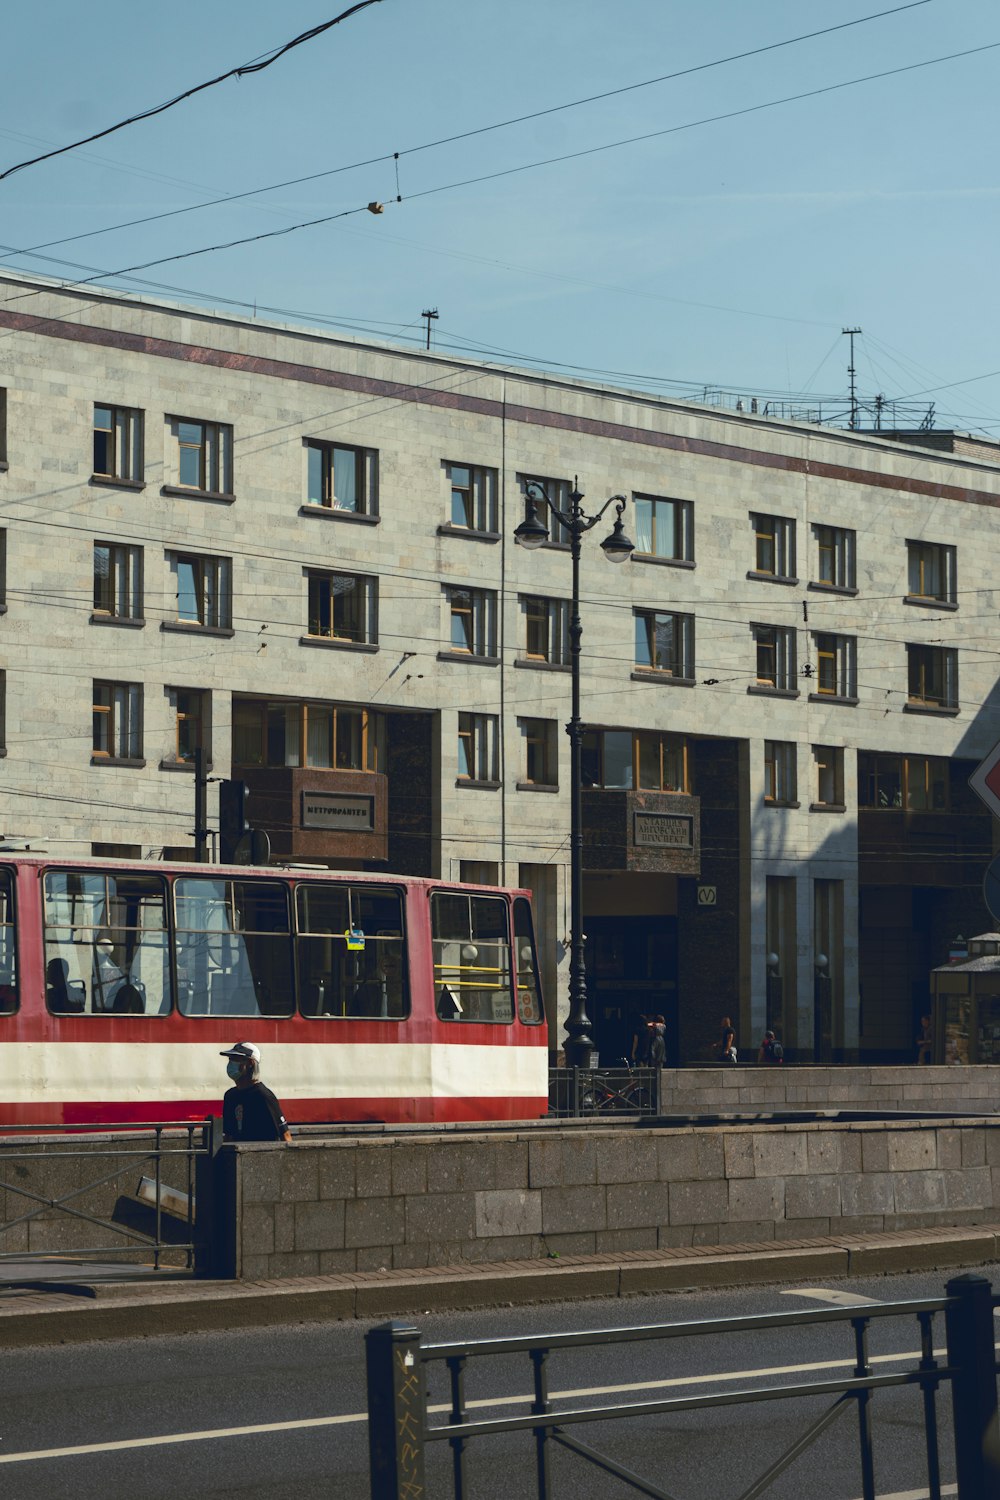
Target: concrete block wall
718, 1090
349, 1204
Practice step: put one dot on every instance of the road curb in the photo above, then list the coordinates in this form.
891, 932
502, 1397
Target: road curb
176, 1308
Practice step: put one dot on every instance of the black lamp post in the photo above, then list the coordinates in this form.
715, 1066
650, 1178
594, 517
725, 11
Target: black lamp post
617, 548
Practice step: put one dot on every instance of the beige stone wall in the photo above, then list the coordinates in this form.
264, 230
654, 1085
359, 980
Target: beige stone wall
345, 1205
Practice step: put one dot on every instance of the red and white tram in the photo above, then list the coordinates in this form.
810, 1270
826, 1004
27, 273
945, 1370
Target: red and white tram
372, 997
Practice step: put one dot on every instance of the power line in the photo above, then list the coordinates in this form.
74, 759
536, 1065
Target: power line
256, 66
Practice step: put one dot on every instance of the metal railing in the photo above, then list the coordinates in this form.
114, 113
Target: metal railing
400, 1430
147, 1190
621, 1090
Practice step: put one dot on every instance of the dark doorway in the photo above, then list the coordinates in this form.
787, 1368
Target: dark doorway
631, 970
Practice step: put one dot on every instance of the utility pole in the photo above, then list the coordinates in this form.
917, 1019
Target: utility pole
851, 374
429, 313
200, 807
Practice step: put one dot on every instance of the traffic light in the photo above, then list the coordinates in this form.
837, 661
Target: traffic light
233, 799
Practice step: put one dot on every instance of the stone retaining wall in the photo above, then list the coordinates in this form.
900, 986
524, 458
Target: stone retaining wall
350, 1204
721, 1090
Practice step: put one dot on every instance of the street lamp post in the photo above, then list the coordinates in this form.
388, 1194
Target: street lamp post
617, 548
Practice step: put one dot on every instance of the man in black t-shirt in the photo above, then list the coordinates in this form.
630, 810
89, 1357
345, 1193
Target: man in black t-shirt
250, 1112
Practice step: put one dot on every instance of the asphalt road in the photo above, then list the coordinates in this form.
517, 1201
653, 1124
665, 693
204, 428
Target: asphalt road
173, 1402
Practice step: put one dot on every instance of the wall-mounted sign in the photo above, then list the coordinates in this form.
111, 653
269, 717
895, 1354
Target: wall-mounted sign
338, 812
708, 895
652, 830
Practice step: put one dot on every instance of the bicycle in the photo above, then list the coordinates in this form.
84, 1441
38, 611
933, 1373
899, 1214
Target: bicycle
605, 1095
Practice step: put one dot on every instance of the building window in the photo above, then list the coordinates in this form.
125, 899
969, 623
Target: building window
664, 643
828, 775
664, 528
473, 497
932, 676
618, 760
3, 570
322, 736
836, 665
779, 772
117, 581
117, 721
342, 478
835, 566
774, 546
931, 572
478, 756
343, 607
775, 652
539, 763
117, 443
203, 589
191, 709
3, 425
472, 615
918, 783
479, 872
3, 713
546, 630
205, 456
660, 762
558, 491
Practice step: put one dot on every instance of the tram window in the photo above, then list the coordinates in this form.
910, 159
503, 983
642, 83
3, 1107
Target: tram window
337, 981
529, 999
106, 949
234, 953
8, 946
472, 975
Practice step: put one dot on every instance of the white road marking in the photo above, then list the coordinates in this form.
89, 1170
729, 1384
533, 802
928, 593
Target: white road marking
348, 1418
827, 1294
946, 1489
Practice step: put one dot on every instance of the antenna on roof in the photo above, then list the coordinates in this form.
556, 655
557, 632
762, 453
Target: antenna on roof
429, 313
851, 374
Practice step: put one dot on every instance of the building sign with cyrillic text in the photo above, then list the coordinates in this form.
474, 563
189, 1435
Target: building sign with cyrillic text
338, 812
662, 831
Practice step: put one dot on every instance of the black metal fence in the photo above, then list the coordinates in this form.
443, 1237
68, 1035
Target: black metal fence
400, 1429
604, 1091
145, 1195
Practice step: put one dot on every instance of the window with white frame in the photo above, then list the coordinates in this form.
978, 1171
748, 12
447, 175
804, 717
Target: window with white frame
118, 443
774, 545
342, 478
203, 589
779, 772
343, 607
836, 665
664, 643
931, 572
546, 630
558, 491
932, 676
828, 775
204, 456
117, 721
835, 556
539, 765
664, 528
478, 752
473, 497
774, 648
117, 581
472, 621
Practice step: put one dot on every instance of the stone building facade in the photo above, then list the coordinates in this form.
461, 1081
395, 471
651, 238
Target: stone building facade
296, 551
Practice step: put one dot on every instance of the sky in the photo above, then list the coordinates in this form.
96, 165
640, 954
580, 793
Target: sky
717, 255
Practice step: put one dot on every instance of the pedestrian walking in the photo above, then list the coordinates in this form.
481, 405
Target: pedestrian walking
250, 1112
639, 1049
771, 1053
925, 1040
726, 1049
658, 1041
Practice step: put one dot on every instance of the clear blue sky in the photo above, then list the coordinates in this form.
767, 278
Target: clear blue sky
730, 254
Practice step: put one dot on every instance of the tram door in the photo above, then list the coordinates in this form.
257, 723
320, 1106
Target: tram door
631, 971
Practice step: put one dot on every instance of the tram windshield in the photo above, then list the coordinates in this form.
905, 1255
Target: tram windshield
234, 950
106, 950
472, 974
529, 1000
351, 954
8, 946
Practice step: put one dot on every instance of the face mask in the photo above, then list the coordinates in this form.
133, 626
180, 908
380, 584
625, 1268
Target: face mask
233, 1068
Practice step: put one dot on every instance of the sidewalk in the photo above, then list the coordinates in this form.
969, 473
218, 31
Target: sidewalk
101, 1309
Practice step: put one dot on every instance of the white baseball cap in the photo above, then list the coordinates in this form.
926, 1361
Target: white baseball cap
243, 1050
